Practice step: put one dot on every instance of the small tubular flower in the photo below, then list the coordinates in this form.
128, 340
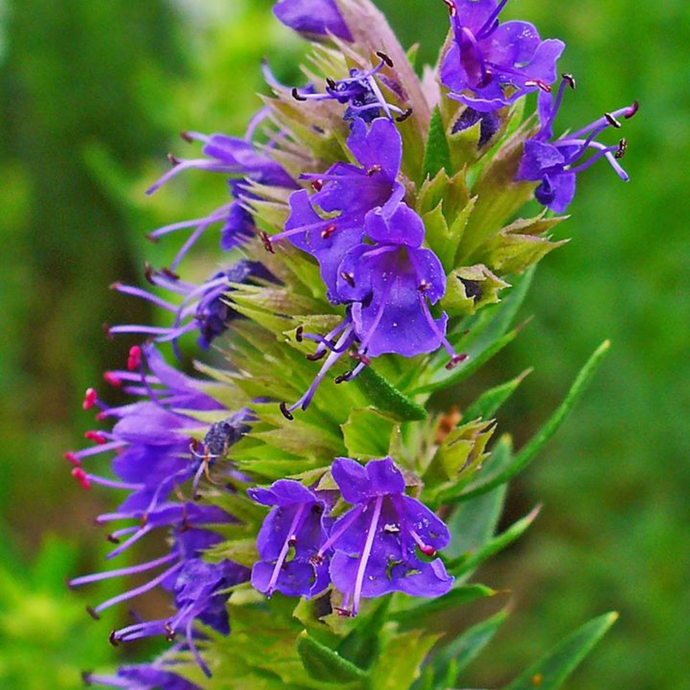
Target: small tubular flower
496, 63
313, 18
556, 164
290, 537
376, 543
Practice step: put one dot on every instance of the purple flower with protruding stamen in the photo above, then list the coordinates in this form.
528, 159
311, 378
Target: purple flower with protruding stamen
376, 543
203, 308
346, 193
556, 164
159, 675
362, 94
496, 63
313, 18
244, 163
290, 538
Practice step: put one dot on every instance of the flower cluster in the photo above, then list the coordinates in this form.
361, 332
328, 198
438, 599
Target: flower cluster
356, 222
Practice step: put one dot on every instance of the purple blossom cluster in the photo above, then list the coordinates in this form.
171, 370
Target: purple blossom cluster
382, 544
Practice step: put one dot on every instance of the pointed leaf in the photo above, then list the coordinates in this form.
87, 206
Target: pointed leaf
456, 597
324, 664
437, 153
386, 398
550, 671
489, 402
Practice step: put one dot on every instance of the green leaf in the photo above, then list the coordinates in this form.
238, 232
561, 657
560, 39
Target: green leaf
367, 434
488, 402
386, 398
324, 664
551, 670
437, 153
456, 597
471, 561
400, 660
530, 450
453, 658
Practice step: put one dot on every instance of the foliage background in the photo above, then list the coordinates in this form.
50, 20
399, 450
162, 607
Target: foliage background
91, 94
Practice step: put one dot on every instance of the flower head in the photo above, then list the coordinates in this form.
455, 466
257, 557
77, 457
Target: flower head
313, 18
496, 63
556, 164
290, 537
377, 543
155, 676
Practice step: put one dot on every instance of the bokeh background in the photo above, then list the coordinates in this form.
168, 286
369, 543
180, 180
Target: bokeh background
92, 96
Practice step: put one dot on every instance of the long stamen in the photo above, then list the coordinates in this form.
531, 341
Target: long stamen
455, 358
364, 558
354, 514
294, 527
121, 572
490, 23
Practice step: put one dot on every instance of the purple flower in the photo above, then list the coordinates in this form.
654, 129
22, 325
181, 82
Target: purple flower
290, 537
362, 93
346, 193
201, 308
490, 123
376, 543
497, 63
556, 164
155, 676
245, 163
313, 18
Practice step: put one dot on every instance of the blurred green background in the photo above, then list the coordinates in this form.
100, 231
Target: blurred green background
92, 94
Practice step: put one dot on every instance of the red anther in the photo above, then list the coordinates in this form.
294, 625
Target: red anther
361, 357
115, 286
328, 231
539, 84
174, 161
134, 358
428, 550
299, 333
456, 360
90, 398
632, 109
101, 416
95, 436
186, 137
110, 378
285, 412
266, 241
92, 612
79, 474
317, 185
71, 457
113, 639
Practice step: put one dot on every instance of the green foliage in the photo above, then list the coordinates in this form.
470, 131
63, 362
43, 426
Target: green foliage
436, 153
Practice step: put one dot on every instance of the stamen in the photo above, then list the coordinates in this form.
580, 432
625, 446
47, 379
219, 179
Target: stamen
286, 412
622, 148
612, 121
81, 477
569, 79
296, 95
632, 110
294, 528
404, 116
134, 358
364, 558
349, 278
90, 398
385, 58
539, 84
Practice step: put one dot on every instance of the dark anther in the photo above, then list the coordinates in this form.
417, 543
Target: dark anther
174, 161
622, 148
612, 121
385, 58
266, 241
373, 170
170, 634
86, 677
186, 137
424, 286
286, 413
328, 231
297, 95
148, 272
348, 278
316, 356
343, 377
106, 330
112, 539
451, 7
113, 639
151, 238
93, 613
331, 83
539, 84
345, 613
456, 359
298, 334
362, 358
316, 559
169, 274
292, 541
632, 109
317, 185
404, 116
570, 79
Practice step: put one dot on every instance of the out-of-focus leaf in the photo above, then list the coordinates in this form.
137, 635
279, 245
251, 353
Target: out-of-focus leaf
490, 401
400, 660
415, 614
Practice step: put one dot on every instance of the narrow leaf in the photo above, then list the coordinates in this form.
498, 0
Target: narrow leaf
323, 664
386, 398
456, 597
530, 450
437, 153
550, 671
488, 402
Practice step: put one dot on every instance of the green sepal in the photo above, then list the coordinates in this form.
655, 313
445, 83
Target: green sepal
367, 434
386, 398
530, 450
436, 152
470, 288
551, 670
326, 665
